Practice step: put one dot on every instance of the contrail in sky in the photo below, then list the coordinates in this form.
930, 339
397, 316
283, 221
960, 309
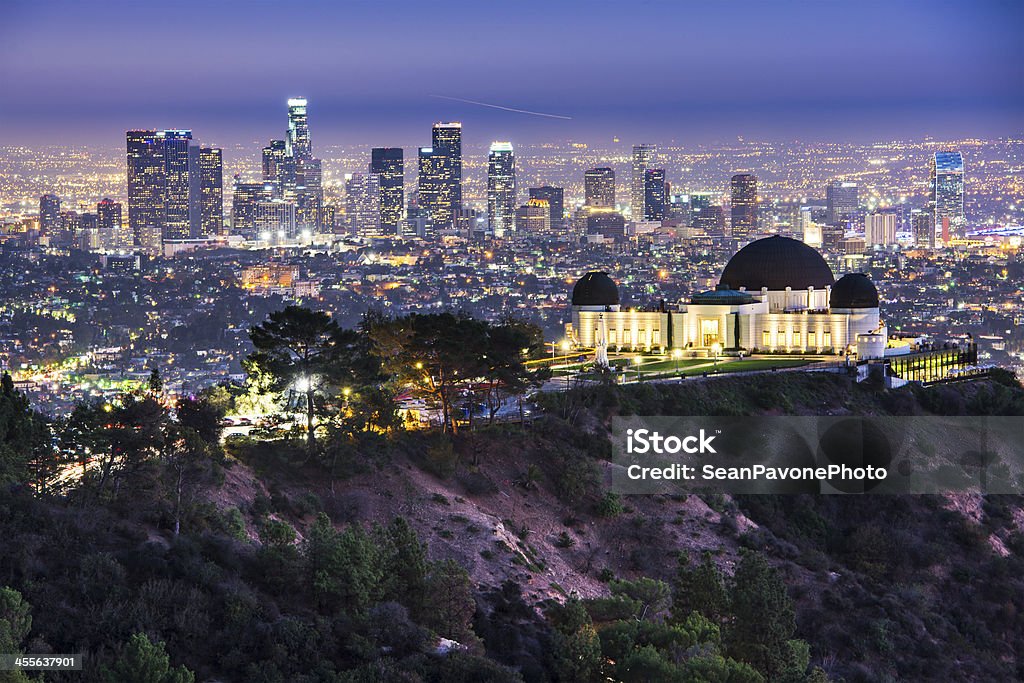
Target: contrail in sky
498, 106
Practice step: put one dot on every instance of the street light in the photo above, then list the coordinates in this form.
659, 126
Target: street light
716, 349
676, 355
638, 360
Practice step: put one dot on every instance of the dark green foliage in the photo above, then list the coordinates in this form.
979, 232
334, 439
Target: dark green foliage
610, 505
577, 648
699, 589
15, 620
762, 620
25, 452
360, 600
142, 661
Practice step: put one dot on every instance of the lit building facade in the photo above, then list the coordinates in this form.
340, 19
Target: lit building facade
654, 194
842, 198
555, 197
440, 179
775, 295
946, 187
744, 206
211, 192
599, 188
643, 158
388, 164
501, 189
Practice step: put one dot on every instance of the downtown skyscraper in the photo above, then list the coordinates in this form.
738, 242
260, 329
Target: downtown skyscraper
147, 188
211, 192
49, 214
298, 143
643, 158
168, 178
440, 175
654, 194
599, 188
501, 189
555, 197
842, 200
946, 196
292, 172
112, 233
744, 206
387, 163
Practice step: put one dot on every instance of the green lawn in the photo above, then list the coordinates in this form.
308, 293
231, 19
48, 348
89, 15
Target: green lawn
654, 367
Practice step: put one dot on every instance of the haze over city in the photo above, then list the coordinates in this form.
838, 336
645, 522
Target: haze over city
690, 72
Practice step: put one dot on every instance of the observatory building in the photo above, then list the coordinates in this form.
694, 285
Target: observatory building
775, 295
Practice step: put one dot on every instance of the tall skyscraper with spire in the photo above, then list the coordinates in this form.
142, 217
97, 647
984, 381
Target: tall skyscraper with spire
298, 141
294, 174
643, 158
501, 189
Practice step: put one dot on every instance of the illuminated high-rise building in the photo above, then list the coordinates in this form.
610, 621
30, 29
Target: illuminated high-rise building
275, 165
211, 192
946, 190
243, 206
744, 205
654, 194
441, 189
879, 229
112, 233
555, 197
49, 215
706, 213
297, 143
388, 164
501, 189
842, 201
922, 225
428, 205
643, 158
274, 220
178, 192
533, 218
362, 203
146, 180
308, 192
159, 185
599, 188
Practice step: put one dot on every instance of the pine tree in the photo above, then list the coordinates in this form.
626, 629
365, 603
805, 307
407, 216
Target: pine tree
763, 620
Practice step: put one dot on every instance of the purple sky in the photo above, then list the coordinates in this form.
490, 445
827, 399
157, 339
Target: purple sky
658, 70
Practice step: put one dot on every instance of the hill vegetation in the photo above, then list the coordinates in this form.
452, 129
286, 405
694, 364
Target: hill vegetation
490, 554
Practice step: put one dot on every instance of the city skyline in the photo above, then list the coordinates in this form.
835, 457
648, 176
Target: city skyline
861, 77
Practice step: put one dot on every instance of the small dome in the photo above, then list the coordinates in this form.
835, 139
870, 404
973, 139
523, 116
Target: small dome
854, 290
777, 262
595, 289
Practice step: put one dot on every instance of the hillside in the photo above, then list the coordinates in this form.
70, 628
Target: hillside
884, 588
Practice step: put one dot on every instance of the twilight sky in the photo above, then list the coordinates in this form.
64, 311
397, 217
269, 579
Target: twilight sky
658, 70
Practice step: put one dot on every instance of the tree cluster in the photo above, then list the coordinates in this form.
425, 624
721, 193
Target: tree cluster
347, 380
